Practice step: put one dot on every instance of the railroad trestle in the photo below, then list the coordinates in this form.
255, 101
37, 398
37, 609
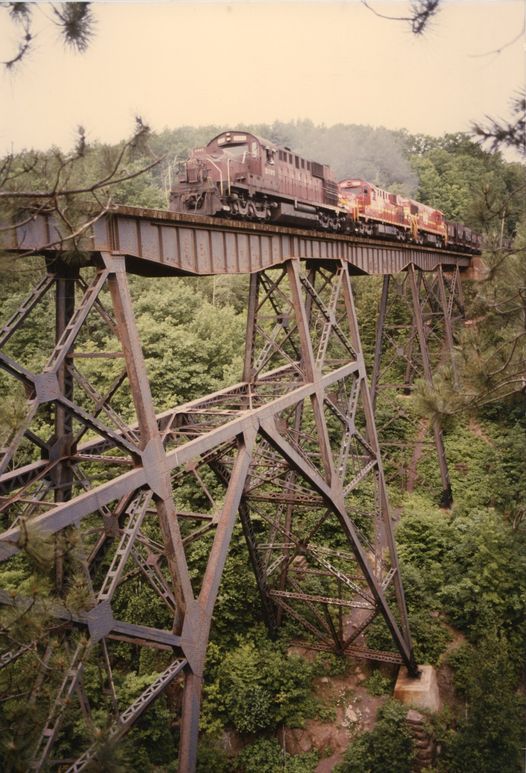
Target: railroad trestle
292, 451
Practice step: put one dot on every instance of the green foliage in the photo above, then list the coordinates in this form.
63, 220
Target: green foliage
469, 566
486, 465
224, 290
211, 756
328, 664
488, 738
378, 684
18, 717
468, 184
191, 347
238, 605
267, 756
151, 739
136, 602
12, 411
430, 636
486, 577
388, 747
264, 756
257, 687
111, 756
424, 540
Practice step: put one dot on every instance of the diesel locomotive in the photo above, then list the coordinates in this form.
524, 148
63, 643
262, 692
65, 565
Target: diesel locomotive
241, 175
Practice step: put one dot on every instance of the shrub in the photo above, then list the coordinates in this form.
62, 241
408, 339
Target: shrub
256, 688
488, 737
378, 684
267, 756
388, 747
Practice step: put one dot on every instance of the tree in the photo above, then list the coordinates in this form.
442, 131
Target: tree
495, 133
256, 687
490, 354
419, 14
267, 756
485, 575
489, 738
77, 187
511, 134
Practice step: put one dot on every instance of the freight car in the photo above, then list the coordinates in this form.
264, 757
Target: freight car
241, 175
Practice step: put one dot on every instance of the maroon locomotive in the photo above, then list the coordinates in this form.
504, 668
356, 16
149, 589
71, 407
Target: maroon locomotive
241, 175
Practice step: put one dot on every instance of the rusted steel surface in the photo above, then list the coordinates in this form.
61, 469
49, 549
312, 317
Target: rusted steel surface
417, 317
158, 242
293, 447
294, 450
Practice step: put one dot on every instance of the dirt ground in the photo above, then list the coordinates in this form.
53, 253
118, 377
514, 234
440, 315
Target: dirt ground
354, 708
354, 711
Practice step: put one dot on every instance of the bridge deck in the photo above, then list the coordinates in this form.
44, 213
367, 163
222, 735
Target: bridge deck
162, 243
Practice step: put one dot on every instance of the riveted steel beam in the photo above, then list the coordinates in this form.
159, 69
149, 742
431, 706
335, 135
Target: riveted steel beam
158, 242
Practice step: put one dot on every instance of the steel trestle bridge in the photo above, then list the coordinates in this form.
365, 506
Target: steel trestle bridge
291, 452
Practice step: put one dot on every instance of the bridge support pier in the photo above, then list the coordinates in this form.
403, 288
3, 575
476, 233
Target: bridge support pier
421, 693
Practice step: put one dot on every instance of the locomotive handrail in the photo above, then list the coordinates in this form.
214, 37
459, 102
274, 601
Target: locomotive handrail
220, 173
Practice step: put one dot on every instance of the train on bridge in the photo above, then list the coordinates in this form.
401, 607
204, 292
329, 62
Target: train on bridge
243, 176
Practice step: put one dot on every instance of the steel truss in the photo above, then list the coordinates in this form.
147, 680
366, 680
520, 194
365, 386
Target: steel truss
96, 474
416, 323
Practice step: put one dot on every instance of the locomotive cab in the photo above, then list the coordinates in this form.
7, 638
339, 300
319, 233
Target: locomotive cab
358, 189
233, 155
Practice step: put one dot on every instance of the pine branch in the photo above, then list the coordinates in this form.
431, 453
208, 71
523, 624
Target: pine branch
74, 20
421, 12
510, 134
76, 23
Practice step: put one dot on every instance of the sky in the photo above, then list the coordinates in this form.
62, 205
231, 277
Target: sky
206, 62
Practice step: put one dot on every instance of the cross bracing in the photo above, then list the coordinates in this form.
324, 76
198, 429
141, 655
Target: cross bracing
292, 448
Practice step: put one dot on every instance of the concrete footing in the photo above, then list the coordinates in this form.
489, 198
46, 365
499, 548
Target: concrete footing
421, 693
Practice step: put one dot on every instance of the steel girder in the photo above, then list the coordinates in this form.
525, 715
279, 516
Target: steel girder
92, 473
162, 243
416, 321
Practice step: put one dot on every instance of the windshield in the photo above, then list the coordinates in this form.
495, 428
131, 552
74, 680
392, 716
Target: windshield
237, 150
354, 190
